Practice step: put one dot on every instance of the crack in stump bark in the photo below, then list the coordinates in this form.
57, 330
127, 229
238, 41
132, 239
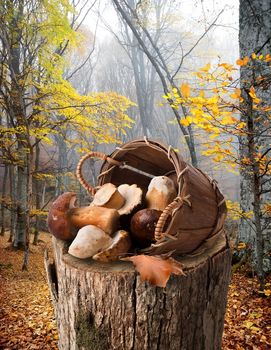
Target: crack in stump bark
134, 299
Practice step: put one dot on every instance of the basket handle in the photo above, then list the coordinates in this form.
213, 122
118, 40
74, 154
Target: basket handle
168, 211
79, 174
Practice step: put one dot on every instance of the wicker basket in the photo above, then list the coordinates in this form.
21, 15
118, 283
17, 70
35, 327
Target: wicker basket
196, 216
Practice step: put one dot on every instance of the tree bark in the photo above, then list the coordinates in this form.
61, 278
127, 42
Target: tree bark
254, 37
106, 306
36, 184
3, 204
13, 198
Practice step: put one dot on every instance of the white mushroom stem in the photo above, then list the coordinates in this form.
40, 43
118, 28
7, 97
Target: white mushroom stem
121, 243
104, 218
108, 196
161, 192
89, 240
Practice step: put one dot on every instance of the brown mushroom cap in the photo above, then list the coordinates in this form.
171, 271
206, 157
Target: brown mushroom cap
121, 243
58, 222
108, 196
143, 225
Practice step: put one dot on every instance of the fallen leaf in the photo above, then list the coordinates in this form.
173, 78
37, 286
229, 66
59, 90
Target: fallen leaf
154, 269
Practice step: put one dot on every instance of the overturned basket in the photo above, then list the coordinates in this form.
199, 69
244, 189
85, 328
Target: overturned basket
195, 218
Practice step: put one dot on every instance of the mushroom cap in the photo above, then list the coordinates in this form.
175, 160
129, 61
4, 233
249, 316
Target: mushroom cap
89, 241
161, 192
121, 243
133, 197
108, 196
58, 222
162, 184
143, 225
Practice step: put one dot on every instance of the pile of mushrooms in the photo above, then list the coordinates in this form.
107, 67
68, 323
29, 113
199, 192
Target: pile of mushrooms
114, 222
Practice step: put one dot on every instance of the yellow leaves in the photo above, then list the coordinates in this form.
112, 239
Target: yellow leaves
236, 94
242, 62
250, 325
252, 94
186, 121
168, 96
235, 212
206, 68
241, 125
101, 114
241, 245
266, 292
185, 90
266, 210
228, 67
228, 119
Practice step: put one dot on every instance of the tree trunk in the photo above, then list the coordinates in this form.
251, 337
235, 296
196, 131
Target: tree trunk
106, 306
13, 198
3, 203
36, 184
254, 37
61, 179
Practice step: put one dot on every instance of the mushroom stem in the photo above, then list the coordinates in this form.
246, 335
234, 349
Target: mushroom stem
105, 218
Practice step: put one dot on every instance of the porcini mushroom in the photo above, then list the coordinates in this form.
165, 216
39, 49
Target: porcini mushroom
105, 218
121, 243
108, 196
143, 225
132, 195
89, 240
161, 192
58, 222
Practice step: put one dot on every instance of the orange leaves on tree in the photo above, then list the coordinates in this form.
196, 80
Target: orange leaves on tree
252, 94
236, 94
154, 269
242, 62
185, 90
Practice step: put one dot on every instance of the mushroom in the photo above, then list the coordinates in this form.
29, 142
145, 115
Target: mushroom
108, 196
58, 222
105, 218
133, 197
89, 240
121, 243
143, 225
161, 192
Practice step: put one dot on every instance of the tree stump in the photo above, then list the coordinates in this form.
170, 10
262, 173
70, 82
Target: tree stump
106, 306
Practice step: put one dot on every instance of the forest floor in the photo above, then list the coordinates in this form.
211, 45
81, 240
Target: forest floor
27, 320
